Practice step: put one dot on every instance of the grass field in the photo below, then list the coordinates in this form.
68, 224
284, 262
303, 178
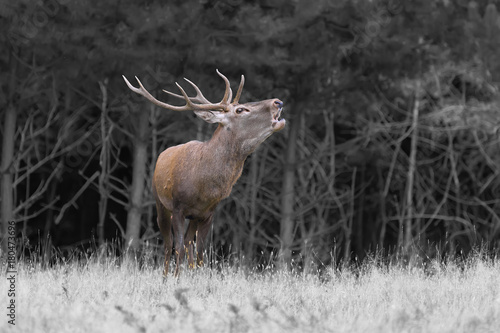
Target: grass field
102, 295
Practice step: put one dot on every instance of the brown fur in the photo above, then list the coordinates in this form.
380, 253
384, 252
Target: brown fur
192, 178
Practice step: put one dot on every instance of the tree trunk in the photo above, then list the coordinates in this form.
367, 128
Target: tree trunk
350, 219
150, 219
104, 163
287, 225
408, 237
9, 133
254, 185
359, 228
132, 234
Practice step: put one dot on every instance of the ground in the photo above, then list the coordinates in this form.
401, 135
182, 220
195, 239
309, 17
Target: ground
106, 295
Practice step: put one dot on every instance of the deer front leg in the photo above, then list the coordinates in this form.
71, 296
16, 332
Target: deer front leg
189, 241
201, 237
178, 229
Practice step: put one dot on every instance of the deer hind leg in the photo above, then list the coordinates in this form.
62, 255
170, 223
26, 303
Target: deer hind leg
203, 227
165, 225
178, 229
189, 241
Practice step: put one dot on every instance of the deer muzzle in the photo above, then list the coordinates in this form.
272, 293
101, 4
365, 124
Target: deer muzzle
277, 123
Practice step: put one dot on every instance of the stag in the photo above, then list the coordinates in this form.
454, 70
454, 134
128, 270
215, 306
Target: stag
191, 179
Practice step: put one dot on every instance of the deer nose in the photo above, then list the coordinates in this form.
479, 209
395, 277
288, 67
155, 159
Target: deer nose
278, 104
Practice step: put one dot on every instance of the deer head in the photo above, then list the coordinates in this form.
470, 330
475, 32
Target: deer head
251, 122
191, 179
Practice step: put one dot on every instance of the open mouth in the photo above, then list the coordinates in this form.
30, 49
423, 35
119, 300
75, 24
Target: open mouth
278, 123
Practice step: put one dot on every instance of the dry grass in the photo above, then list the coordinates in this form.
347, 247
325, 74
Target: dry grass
104, 296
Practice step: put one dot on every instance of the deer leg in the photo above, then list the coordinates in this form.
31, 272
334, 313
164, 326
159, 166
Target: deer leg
202, 232
165, 225
178, 229
189, 241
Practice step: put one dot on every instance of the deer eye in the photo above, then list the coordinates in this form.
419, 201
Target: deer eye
240, 110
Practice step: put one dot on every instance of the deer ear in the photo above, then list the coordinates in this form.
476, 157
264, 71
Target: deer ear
212, 116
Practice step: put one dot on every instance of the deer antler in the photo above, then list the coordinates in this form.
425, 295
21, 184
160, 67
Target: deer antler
240, 89
199, 98
197, 103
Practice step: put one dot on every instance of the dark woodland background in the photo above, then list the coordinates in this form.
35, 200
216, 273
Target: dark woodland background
392, 108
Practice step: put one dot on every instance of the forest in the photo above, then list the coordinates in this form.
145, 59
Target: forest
392, 142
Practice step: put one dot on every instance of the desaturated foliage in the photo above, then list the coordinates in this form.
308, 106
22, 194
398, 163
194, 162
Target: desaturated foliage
392, 108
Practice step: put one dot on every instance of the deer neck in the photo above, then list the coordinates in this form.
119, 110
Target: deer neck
223, 157
226, 147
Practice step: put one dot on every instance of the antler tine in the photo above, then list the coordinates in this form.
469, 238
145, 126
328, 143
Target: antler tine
186, 97
240, 89
175, 95
228, 93
131, 87
199, 98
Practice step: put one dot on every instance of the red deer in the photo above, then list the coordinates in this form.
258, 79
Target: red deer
192, 178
